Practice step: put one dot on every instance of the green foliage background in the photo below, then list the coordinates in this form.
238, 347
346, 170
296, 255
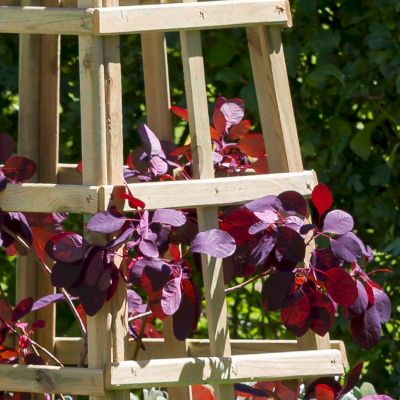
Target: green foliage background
344, 67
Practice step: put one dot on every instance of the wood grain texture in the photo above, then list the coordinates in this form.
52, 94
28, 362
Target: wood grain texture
41, 379
217, 370
203, 168
186, 16
213, 192
67, 349
274, 100
50, 198
42, 20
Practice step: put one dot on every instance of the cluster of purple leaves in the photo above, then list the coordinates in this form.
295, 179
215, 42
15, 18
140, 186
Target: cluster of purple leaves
274, 234
235, 148
140, 244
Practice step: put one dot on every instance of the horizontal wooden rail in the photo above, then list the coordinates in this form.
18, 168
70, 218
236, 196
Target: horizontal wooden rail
215, 192
46, 20
47, 379
31, 197
41, 197
190, 16
68, 350
222, 370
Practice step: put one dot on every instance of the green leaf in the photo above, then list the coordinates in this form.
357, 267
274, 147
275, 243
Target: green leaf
361, 143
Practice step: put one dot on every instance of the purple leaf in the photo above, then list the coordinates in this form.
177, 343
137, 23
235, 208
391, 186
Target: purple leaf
338, 222
232, 110
106, 222
149, 140
184, 319
215, 243
366, 328
276, 290
155, 276
65, 274
67, 247
105, 280
46, 300
171, 296
123, 238
158, 165
95, 266
148, 248
376, 397
135, 302
92, 298
3, 181
7, 146
382, 304
347, 247
263, 249
258, 227
170, 217
270, 202
290, 245
267, 216
361, 303
293, 202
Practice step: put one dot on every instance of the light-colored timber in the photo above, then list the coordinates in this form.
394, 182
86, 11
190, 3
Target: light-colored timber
67, 349
49, 379
217, 191
221, 370
189, 16
46, 20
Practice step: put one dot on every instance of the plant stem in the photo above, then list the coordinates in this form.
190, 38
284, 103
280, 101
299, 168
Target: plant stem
245, 283
139, 316
46, 268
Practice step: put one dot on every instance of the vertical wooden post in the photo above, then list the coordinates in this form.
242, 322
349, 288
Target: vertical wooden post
274, 101
277, 120
196, 97
156, 83
38, 132
102, 145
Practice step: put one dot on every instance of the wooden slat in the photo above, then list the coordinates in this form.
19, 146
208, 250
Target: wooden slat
50, 198
215, 192
203, 168
40, 379
220, 370
67, 174
68, 349
274, 100
186, 16
50, 48
43, 20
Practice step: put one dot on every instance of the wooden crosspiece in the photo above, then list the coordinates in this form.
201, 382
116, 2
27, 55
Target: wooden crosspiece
218, 360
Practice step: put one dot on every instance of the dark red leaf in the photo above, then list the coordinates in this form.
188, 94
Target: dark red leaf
239, 130
19, 169
252, 145
293, 202
22, 308
322, 313
200, 392
296, 316
341, 286
219, 123
65, 274
237, 224
133, 201
324, 392
290, 245
276, 290
322, 198
180, 112
7, 146
330, 382
260, 166
352, 377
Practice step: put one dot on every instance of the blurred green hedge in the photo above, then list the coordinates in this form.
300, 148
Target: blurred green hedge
344, 67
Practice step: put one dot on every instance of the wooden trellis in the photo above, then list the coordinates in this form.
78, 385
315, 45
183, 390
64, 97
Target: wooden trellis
167, 362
